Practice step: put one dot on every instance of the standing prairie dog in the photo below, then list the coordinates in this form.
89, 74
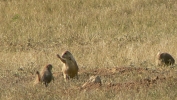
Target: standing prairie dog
70, 67
45, 76
164, 59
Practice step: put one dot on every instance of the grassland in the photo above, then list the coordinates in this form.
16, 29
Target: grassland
103, 35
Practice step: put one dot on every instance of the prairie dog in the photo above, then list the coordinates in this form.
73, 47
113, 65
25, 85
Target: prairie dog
164, 59
70, 67
45, 76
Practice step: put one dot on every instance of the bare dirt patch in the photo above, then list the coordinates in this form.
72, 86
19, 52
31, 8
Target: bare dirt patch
114, 81
149, 79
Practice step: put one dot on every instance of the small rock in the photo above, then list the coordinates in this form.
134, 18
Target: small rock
92, 80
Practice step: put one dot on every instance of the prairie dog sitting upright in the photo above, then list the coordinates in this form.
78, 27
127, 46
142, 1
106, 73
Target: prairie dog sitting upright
45, 76
70, 67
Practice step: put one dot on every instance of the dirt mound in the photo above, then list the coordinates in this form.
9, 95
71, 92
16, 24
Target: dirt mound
122, 78
120, 72
147, 83
109, 71
149, 77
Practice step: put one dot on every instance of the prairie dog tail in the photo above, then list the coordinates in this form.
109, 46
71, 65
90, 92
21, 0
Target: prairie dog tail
38, 78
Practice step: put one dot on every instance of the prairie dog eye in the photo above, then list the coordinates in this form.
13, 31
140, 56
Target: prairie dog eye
66, 52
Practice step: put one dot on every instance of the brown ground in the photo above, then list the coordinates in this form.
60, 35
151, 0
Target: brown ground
114, 80
148, 79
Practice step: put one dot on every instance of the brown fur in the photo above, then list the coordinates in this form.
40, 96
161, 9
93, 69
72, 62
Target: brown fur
164, 59
70, 67
45, 76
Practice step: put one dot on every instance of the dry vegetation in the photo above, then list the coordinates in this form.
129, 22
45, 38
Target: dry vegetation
115, 39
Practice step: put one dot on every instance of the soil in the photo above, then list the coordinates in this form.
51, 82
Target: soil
150, 78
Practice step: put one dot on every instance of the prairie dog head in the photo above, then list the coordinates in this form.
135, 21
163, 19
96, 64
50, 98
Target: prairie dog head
67, 55
49, 67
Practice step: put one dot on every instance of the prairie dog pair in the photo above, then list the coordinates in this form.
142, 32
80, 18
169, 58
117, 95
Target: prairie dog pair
70, 67
164, 59
45, 76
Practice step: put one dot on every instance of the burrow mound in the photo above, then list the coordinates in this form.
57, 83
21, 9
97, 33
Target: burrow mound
150, 78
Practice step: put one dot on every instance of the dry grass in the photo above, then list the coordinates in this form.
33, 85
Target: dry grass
101, 34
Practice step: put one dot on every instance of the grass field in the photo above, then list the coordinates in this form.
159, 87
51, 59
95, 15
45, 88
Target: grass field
115, 39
